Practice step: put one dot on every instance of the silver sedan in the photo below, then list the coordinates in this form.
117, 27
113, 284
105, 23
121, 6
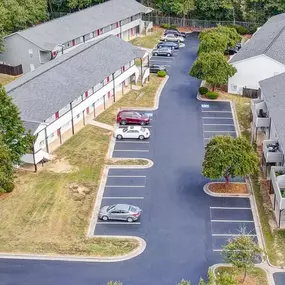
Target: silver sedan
121, 212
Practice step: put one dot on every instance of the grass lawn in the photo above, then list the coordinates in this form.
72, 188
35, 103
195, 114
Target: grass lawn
5, 78
255, 277
144, 97
127, 162
49, 212
148, 41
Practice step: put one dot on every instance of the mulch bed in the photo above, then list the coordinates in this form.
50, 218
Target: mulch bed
230, 188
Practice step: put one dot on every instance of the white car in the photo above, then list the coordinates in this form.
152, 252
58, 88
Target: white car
172, 38
132, 132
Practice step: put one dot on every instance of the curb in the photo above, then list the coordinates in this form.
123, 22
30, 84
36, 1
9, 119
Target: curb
71, 258
148, 165
210, 193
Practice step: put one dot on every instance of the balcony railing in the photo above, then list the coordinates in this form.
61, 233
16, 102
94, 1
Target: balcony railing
272, 153
260, 114
277, 176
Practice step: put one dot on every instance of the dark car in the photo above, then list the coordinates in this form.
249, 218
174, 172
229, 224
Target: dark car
171, 45
154, 68
175, 31
231, 51
132, 117
166, 51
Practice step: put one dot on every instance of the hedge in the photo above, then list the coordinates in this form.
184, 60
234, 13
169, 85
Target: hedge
203, 90
240, 29
161, 73
168, 26
212, 95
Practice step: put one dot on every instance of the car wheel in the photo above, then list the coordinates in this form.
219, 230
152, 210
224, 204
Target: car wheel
105, 218
119, 137
130, 220
155, 54
168, 54
142, 123
123, 122
141, 137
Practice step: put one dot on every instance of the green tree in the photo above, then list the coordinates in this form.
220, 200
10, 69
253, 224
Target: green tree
182, 7
15, 137
229, 157
6, 168
241, 252
78, 4
226, 279
212, 67
184, 282
114, 283
213, 42
232, 35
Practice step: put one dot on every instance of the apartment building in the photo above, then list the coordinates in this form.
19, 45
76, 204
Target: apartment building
58, 98
38, 45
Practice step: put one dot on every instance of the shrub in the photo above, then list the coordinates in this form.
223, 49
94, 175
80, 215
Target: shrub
172, 27
161, 73
242, 30
252, 29
165, 26
203, 90
212, 95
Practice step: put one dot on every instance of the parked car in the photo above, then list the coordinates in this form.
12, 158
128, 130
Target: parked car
171, 45
175, 31
122, 212
132, 117
172, 38
238, 46
162, 51
132, 132
154, 68
230, 51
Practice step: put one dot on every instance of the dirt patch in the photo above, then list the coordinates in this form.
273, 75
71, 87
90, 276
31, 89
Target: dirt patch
60, 166
79, 192
230, 188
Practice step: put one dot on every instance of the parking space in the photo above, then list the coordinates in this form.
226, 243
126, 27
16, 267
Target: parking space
164, 60
217, 119
230, 217
279, 278
124, 186
134, 148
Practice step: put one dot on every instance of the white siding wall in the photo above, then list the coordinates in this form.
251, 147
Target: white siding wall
251, 71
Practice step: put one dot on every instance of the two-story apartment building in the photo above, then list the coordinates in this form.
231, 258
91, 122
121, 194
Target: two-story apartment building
58, 98
268, 124
39, 44
263, 56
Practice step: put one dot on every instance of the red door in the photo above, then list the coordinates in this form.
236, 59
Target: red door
87, 109
98, 32
109, 94
58, 132
73, 42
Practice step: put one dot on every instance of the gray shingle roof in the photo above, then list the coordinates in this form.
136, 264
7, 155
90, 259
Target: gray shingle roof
39, 94
273, 91
268, 40
69, 27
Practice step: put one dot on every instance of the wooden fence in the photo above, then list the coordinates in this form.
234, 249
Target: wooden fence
11, 70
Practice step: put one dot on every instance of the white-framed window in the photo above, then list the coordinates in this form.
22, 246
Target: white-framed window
31, 52
32, 67
78, 116
42, 143
51, 136
234, 87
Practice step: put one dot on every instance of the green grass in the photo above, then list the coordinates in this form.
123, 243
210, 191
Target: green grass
127, 162
256, 276
144, 97
5, 78
148, 41
44, 214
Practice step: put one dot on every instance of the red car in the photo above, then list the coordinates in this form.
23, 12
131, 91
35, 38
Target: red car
132, 117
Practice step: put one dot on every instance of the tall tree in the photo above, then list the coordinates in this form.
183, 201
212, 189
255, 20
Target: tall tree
184, 282
213, 42
229, 157
78, 4
212, 67
182, 7
6, 168
15, 137
241, 252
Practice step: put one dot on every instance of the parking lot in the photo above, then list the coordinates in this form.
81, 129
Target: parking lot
217, 119
164, 60
125, 186
229, 218
134, 148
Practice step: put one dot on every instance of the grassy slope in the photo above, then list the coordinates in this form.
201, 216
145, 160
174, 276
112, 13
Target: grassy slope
43, 215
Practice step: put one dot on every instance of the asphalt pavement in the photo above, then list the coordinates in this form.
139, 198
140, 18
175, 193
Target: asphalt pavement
183, 227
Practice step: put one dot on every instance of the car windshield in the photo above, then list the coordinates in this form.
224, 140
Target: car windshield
110, 207
143, 130
132, 209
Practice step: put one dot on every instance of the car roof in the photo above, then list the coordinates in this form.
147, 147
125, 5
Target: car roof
122, 207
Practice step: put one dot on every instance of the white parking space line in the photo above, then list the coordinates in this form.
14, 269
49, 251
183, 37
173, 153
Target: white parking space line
127, 176
220, 118
230, 208
118, 223
208, 111
124, 186
219, 131
130, 142
232, 221
131, 150
122, 198
232, 235
218, 124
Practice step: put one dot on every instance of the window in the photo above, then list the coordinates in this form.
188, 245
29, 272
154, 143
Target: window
42, 143
51, 135
31, 52
78, 116
234, 87
32, 67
